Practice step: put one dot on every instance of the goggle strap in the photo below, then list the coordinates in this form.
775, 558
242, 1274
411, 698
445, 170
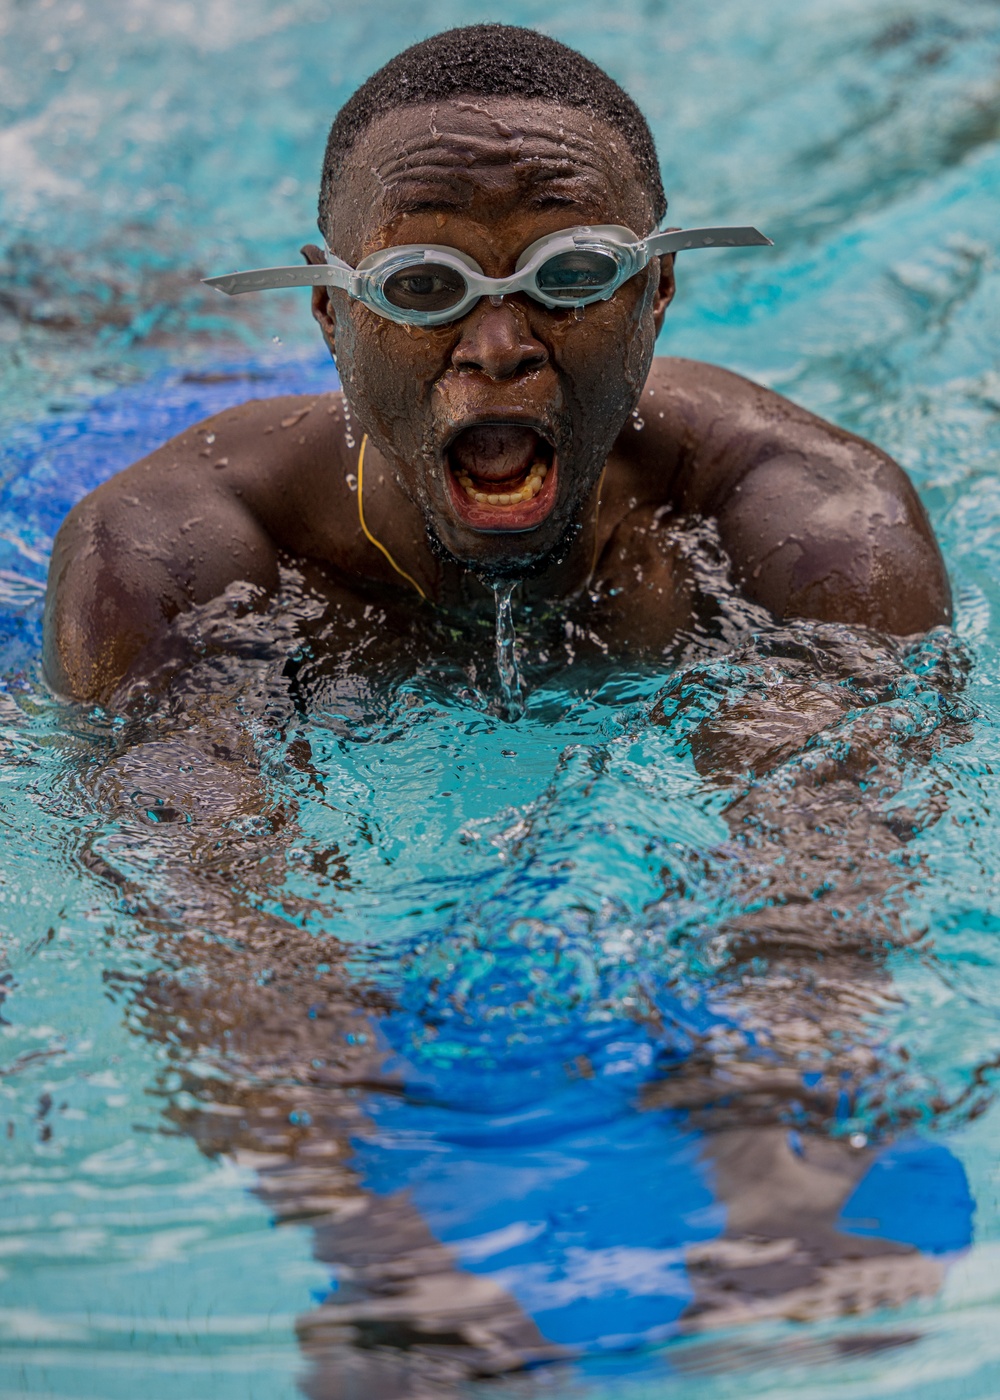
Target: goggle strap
334, 274
680, 239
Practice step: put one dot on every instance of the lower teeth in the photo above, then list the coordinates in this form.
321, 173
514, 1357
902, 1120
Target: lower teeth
528, 489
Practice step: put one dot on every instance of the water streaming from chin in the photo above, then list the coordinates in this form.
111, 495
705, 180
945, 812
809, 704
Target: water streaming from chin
511, 685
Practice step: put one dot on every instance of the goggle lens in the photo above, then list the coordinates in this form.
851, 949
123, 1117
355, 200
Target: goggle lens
577, 273
426, 287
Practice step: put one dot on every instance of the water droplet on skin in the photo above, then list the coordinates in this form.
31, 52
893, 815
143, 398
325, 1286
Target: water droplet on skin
638, 423
352, 481
210, 437
577, 313
348, 430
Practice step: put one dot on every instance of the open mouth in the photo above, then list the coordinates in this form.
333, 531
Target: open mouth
501, 476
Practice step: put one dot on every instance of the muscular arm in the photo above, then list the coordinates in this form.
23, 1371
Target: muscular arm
212, 507
817, 523
131, 556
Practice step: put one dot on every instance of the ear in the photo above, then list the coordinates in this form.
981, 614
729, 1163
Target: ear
322, 310
664, 291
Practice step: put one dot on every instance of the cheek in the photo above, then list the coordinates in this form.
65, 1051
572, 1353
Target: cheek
606, 357
386, 372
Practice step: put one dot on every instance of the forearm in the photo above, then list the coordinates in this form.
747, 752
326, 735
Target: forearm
814, 741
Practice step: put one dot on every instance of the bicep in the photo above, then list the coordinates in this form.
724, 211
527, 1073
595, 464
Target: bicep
125, 565
838, 541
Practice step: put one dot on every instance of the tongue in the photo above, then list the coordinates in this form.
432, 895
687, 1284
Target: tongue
495, 452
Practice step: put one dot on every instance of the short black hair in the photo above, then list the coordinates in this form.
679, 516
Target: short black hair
490, 60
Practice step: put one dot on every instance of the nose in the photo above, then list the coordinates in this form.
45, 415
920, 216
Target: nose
497, 341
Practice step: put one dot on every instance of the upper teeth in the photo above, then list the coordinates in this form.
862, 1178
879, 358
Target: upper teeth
530, 487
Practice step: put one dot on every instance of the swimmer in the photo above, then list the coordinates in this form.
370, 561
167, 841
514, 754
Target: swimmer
502, 416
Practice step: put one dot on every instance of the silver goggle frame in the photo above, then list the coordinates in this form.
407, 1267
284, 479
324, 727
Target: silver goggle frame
367, 282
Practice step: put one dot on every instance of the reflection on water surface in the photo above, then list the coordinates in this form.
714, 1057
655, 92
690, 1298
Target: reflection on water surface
560, 1035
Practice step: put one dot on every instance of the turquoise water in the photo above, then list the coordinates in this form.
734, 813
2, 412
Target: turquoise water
544, 917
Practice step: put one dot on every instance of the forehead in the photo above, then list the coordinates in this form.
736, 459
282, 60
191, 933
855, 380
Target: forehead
487, 157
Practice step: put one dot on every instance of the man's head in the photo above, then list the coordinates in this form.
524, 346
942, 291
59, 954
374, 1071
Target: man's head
484, 140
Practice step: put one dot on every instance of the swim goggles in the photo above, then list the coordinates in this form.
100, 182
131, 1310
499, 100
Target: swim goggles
426, 284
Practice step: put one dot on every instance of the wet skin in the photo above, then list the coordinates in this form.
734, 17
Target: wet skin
816, 523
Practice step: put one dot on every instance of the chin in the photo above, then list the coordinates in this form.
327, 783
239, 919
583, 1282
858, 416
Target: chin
510, 558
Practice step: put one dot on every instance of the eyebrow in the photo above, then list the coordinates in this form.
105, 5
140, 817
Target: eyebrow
427, 194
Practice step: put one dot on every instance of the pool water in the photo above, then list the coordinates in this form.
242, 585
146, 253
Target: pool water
319, 993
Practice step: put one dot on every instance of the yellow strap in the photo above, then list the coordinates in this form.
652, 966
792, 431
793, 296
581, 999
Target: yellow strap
365, 530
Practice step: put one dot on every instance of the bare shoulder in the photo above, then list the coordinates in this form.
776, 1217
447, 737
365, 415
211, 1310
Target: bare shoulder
214, 505
723, 425
817, 521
